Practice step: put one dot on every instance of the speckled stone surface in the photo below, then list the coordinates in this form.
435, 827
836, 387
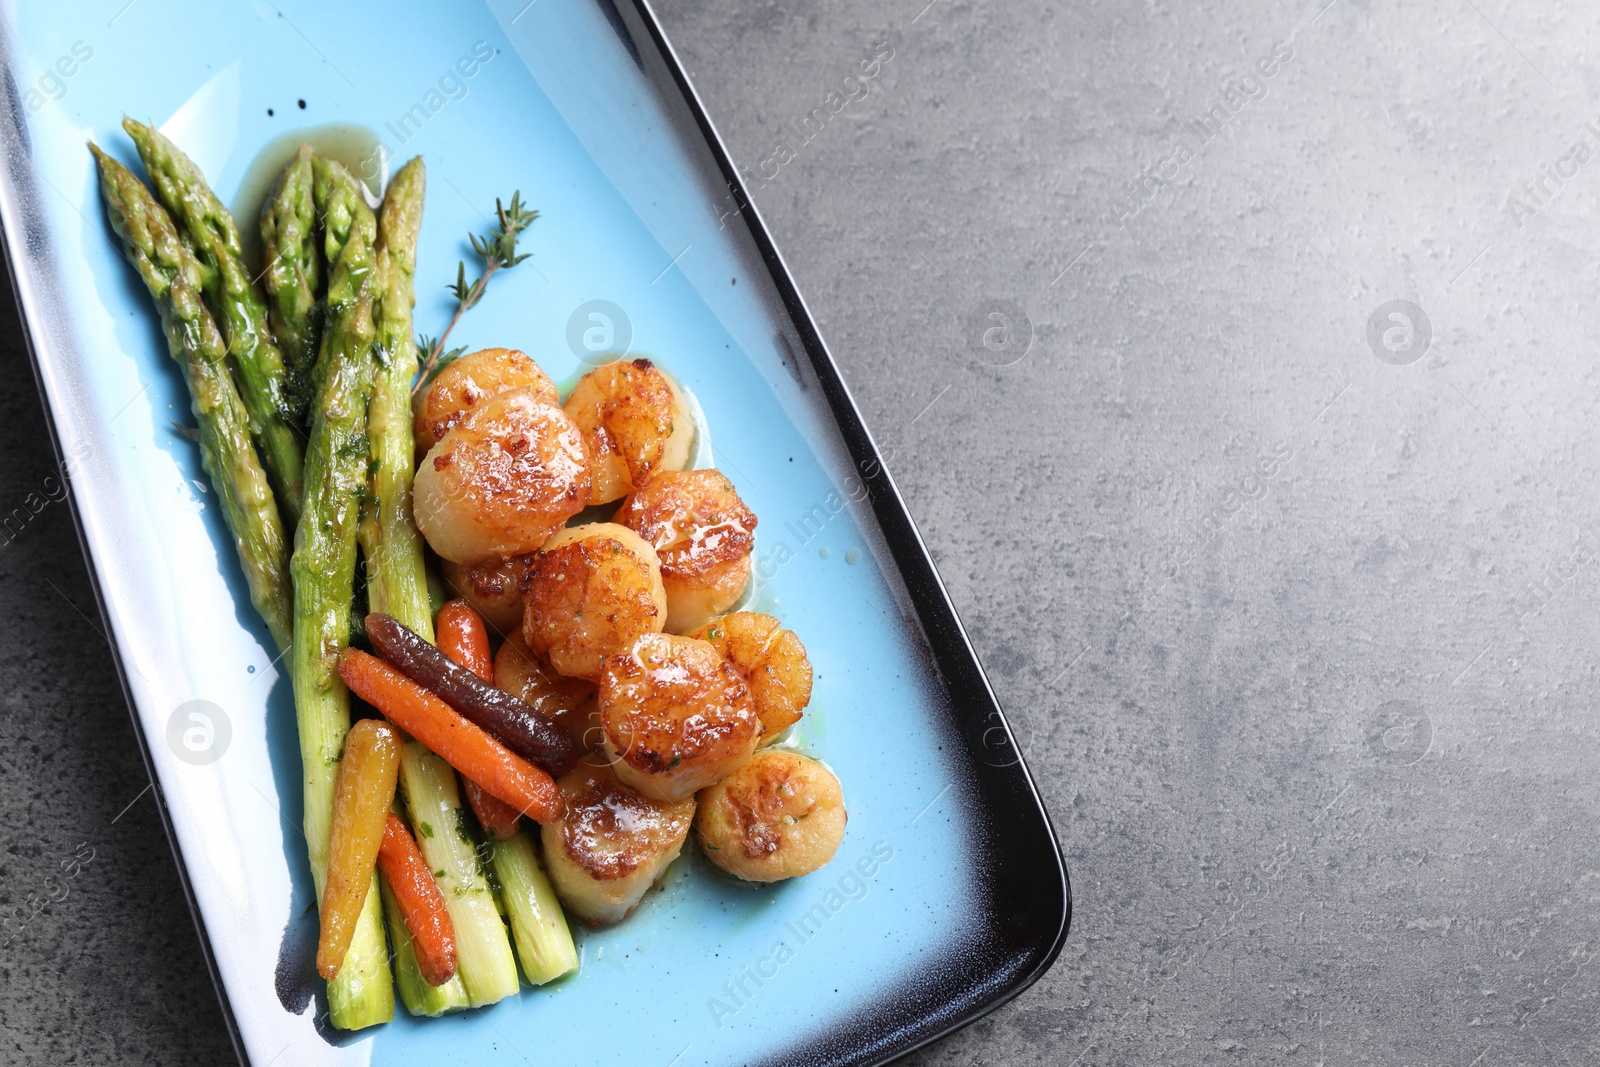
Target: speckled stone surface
1290, 589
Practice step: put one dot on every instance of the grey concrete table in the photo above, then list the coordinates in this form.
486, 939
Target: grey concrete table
1238, 365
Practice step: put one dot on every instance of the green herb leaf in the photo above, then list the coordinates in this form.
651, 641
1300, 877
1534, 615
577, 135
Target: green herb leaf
498, 250
464, 827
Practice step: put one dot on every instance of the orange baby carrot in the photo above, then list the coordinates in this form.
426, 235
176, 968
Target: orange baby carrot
362, 796
464, 638
455, 740
498, 819
433, 936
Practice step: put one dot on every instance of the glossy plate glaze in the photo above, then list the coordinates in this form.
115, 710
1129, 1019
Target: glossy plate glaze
948, 895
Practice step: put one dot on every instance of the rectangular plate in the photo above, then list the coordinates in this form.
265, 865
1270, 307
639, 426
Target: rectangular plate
948, 895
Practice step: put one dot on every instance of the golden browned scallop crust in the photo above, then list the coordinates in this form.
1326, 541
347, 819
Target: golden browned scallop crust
569, 701
588, 594
677, 716
610, 844
634, 421
458, 389
780, 815
703, 533
771, 659
493, 587
501, 481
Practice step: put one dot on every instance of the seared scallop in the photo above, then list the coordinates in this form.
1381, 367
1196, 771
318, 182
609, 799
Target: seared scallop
502, 480
703, 533
677, 716
589, 592
458, 389
635, 421
780, 815
493, 588
569, 701
771, 659
611, 844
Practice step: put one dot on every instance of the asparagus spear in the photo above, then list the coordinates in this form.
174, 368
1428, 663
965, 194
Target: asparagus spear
214, 237
544, 943
173, 275
396, 577
397, 581
324, 563
398, 586
292, 273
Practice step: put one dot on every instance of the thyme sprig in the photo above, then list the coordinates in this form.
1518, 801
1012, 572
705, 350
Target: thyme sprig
498, 250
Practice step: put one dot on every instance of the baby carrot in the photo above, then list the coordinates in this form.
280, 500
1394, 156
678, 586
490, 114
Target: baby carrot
459, 743
498, 819
361, 800
433, 936
530, 734
463, 637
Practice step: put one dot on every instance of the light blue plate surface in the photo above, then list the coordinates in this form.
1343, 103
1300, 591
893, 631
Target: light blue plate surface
561, 111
